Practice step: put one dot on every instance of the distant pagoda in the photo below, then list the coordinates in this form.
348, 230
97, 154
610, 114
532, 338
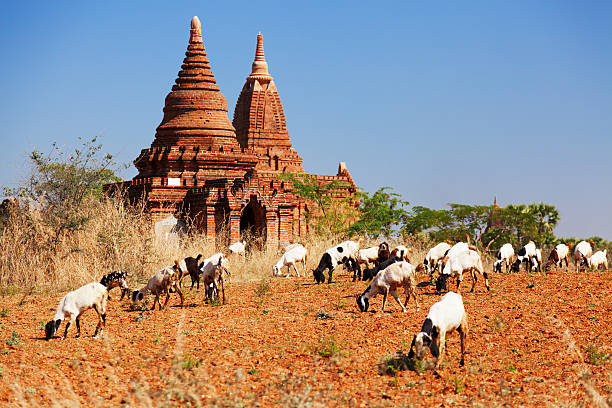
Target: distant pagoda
224, 176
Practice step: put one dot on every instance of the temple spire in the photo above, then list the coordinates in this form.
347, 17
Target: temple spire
196, 31
260, 66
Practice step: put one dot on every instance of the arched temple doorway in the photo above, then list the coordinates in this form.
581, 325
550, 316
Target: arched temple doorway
253, 223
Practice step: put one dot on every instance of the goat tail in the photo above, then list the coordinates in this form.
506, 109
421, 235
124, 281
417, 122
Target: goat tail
198, 257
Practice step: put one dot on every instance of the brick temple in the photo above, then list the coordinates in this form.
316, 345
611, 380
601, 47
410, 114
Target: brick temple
222, 175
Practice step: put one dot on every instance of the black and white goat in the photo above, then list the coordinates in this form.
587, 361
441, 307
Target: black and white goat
160, 283
445, 316
190, 266
73, 304
115, 280
504, 257
529, 255
335, 256
387, 281
434, 256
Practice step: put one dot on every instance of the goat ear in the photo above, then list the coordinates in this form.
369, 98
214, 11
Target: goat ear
411, 353
433, 347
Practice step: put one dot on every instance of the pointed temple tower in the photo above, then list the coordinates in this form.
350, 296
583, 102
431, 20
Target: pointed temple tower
260, 121
220, 175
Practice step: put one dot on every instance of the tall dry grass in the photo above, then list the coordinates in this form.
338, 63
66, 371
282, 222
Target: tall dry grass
120, 236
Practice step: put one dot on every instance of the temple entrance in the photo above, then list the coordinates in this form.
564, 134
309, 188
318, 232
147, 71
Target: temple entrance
253, 224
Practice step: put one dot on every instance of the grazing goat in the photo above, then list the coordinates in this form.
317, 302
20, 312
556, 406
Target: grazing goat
163, 280
335, 256
237, 248
444, 316
599, 258
73, 304
401, 252
504, 255
460, 264
190, 266
582, 253
529, 255
289, 258
458, 248
559, 254
115, 280
387, 281
434, 256
367, 255
212, 274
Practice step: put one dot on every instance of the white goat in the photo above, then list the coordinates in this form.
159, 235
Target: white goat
212, 270
364, 256
237, 248
558, 255
458, 265
387, 281
297, 254
434, 256
444, 316
504, 255
73, 304
163, 280
599, 258
582, 253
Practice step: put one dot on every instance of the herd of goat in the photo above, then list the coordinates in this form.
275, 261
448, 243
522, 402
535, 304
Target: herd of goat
388, 269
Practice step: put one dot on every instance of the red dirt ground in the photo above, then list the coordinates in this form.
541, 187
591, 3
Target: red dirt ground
535, 340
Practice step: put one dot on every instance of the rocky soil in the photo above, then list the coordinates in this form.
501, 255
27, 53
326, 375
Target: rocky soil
541, 339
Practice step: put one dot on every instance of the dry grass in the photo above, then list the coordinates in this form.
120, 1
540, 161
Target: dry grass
119, 236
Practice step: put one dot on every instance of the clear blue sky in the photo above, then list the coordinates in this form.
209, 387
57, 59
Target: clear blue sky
444, 101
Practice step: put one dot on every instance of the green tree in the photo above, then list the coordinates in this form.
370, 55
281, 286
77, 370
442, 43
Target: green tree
329, 210
379, 213
60, 183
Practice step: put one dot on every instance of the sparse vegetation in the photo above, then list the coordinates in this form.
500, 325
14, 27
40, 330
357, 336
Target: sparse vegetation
595, 356
141, 306
189, 363
263, 288
321, 315
13, 340
457, 384
392, 364
140, 318
329, 347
